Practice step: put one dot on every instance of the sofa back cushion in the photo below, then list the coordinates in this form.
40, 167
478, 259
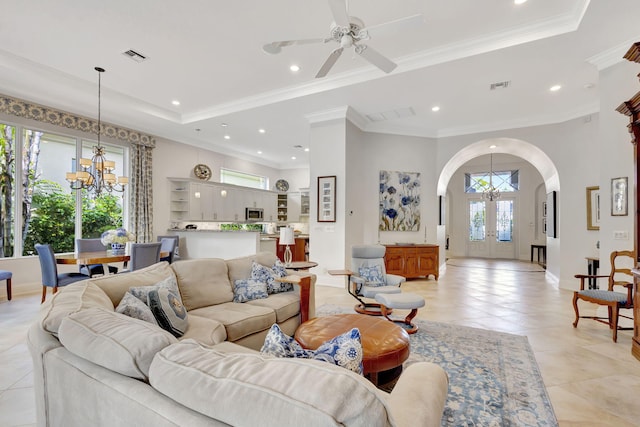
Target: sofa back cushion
203, 282
116, 285
272, 391
240, 268
115, 341
71, 299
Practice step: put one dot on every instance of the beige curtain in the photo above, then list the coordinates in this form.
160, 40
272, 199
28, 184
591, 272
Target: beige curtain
141, 193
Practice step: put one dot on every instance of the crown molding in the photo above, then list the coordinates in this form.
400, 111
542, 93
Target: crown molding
612, 56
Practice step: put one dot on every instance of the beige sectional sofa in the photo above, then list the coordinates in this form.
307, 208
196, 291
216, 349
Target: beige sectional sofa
94, 366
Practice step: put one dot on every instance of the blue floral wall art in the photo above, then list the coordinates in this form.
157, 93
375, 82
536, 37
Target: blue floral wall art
399, 201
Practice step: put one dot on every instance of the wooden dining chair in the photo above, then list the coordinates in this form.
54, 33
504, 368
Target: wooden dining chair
613, 300
93, 245
49, 269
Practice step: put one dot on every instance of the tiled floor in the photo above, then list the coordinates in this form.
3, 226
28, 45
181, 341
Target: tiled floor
591, 380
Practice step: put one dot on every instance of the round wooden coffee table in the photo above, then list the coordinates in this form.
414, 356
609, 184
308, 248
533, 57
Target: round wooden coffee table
385, 345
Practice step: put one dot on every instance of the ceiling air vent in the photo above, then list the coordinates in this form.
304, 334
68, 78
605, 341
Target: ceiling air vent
134, 55
499, 85
399, 113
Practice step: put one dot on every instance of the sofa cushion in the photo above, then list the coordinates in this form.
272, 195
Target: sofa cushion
286, 305
203, 282
114, 341
240, 268
168, 311
133, 307
240, 320
206, 331
70, 299
116, 285
277, 390
142, 292
248, 289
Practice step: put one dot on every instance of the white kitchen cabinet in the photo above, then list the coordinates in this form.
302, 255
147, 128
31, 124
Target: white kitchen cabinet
293, 206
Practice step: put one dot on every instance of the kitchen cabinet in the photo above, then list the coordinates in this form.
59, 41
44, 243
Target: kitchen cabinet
282, 202
205, 201
412, 260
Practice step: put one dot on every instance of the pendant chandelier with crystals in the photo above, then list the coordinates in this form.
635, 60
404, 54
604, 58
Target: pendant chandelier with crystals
96, 174
491, 193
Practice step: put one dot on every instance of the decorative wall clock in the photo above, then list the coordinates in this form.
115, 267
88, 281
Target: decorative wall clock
202, 172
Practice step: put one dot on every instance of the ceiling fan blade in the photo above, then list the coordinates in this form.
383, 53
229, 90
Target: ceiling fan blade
275, 47
331, 60
401, 25
376, 58
339, 12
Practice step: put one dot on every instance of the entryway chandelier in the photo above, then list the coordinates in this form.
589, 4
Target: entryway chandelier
97, 174
491, 193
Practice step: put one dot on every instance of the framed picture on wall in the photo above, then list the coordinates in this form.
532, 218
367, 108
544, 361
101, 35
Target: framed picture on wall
552, 230
619, 202
593, 208
327, 198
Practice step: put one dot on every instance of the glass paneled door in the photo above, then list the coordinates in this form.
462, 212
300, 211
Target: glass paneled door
491, 228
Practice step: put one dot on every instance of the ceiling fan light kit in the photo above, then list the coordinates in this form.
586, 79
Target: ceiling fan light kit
348, 31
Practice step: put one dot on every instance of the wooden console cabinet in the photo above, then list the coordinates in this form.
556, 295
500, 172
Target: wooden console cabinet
412, 261
631, 108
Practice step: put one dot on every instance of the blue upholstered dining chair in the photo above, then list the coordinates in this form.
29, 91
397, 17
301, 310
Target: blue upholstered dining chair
370, 277
92, 245
169, 244
144, 255
50, 276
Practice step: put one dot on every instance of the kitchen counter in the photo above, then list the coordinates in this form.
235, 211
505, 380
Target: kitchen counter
217, 243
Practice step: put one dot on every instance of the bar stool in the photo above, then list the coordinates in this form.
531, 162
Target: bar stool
6, 275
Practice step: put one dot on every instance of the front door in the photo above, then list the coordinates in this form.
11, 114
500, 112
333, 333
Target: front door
491, 226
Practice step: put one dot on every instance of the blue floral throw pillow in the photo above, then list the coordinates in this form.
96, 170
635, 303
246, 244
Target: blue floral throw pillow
344, 350
372, 274
131, 306
268, 276
249, 289
279, 344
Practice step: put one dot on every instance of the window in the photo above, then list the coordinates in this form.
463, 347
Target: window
36, 203
244, 179
477, 220
505, 181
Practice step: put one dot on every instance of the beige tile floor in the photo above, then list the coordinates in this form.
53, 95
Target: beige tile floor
591, 380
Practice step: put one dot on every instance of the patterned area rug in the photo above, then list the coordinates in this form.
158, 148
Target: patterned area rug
494, 380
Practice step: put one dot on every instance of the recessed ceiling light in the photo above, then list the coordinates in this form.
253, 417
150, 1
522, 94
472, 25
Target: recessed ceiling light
555, 88
261, 130
306, 149
224, 125
519, 1
227, 137
175, 102
589, 86
493, 146
435, 108
293, 157
295, 68
259, 152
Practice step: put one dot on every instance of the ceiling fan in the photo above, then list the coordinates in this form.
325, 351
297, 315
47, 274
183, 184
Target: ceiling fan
349, 31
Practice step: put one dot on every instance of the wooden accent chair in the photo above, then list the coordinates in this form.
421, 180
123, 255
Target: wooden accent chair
610, 298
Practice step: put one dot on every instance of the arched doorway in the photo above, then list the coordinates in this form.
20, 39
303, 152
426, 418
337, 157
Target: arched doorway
515, 147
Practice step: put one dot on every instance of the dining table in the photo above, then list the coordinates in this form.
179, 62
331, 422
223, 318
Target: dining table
98, 257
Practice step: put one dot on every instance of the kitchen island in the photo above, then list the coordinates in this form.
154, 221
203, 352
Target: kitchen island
216, 243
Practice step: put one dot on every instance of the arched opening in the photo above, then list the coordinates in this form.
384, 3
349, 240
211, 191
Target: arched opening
514, 147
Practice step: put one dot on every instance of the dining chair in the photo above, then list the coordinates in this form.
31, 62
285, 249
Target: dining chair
169, 244
93, 245
614, 301
49, 270
143, 255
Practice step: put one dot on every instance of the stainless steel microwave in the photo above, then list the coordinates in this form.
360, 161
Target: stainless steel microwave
254, 214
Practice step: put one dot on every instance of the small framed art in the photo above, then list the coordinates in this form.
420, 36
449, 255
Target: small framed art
327, 198
619, 202
593, 208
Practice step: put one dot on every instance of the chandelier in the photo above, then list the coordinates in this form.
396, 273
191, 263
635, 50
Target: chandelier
96, 174
491, 193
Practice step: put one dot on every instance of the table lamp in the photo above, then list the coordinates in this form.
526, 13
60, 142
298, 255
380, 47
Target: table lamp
286, 239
